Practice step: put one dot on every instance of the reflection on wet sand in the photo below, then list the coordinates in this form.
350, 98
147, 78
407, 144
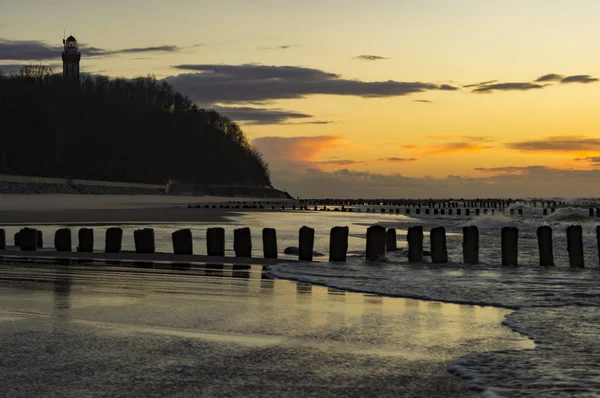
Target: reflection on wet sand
62, 291
127, 313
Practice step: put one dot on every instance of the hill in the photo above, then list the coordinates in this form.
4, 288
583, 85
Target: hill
139, 130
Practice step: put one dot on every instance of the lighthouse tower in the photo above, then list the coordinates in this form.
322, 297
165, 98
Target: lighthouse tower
71, 57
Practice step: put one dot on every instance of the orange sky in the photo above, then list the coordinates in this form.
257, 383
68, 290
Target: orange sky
434, 88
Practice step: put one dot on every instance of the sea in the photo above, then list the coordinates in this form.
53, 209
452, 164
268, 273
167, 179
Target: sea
557, 307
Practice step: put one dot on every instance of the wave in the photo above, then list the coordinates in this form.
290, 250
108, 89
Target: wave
557, 308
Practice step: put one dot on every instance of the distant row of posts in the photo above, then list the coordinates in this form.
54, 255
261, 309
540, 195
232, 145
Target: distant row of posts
450, 211
379, 241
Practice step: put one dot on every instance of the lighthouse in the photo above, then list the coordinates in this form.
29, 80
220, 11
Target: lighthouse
71, 57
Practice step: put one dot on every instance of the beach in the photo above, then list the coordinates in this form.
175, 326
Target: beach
494, 366
116, 209
75, 331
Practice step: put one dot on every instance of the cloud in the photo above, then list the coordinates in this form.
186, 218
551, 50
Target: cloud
453, 144
557, 144
371, 58
551, 77
295, 149
340, 162
595, 160
493, 85
579, 79
488, 88
254, 82
36, 50
282, 47
252, 115
535, 181
100, 52
480, 84
520, 170
27, 50
424, 101
398, 160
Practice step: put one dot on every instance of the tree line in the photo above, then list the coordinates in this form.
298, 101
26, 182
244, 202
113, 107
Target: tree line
134, 130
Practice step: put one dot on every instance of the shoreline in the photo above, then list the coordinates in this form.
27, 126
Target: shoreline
324, 313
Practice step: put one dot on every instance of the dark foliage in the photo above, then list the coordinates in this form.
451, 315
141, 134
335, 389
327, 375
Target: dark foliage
138, 130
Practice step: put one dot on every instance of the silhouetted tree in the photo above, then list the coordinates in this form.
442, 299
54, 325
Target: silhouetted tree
138, 130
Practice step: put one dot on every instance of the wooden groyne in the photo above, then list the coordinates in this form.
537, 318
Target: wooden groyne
407, 207
28, 242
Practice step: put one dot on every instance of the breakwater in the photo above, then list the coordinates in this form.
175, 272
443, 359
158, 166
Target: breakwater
379, 241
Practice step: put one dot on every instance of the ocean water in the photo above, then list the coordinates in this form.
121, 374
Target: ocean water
556, 306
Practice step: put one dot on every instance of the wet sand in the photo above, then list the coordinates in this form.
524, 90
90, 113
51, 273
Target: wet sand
115, 216
77, 331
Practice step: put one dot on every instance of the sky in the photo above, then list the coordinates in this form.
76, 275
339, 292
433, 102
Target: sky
428, 98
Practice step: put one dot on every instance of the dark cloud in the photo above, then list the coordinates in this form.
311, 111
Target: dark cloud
489, 88
454, 143
398, 160
551, 77
100, 52
511, 169
371, 58
35, 50
252, 115
424, 101
283, 47
252, 82
592, 159
557, 144
480, 84
27, 50
340, 162
579, 79
535, 181
316, 122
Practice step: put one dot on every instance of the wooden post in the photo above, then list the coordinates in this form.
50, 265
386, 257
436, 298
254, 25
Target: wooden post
390, 240
471, 245
242, 242
415, 243
40, 239
182, 242
510, 246
62, 240
439, 250
86, 240
306, 243
215, 242
338, 243
269, 238
144, 240
544, 235
28, 239
114, 239
375, 242
575, 246
598, 242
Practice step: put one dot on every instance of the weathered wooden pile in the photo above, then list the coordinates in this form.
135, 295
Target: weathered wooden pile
379, 240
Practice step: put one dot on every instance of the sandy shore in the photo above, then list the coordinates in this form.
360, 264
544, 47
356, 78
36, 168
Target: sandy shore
112, 209
81, 331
